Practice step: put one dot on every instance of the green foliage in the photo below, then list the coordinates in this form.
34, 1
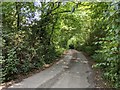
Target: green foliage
109, 53
25, 46
29, 42
106, 47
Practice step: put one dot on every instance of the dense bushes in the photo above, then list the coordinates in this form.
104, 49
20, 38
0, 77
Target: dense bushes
109, 54
104, 43
26, 45
23, 58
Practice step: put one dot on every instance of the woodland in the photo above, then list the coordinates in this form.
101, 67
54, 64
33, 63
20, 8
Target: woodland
37, 33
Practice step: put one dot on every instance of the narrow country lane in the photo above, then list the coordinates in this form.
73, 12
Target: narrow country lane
78, 75
72, 71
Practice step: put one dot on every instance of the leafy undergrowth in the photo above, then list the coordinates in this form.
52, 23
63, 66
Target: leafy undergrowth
20, 77
98, 78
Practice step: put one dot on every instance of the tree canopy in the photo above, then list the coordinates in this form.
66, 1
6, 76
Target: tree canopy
36, 33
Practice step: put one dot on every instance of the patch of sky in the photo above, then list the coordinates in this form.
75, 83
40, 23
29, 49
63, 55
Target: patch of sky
31, 16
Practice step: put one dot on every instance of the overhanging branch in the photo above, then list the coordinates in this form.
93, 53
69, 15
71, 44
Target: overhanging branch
61, 12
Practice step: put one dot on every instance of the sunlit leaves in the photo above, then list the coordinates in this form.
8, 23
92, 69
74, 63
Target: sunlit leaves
108, 55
